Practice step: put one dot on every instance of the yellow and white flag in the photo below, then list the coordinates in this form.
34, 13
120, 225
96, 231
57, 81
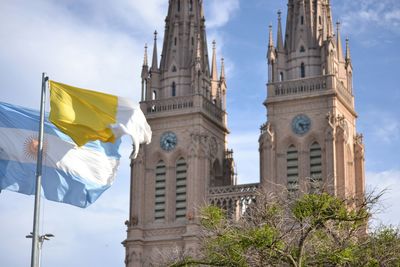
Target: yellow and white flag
87, 115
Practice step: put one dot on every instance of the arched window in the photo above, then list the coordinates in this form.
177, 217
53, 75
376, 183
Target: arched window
159, 210
154, 95
281, 77
302, 20
173, 88
192, 41
181, 171
175, 41
174, 69
302, 49
315, 167
292, 160
190, 5
320, 20
179, 5
302, 70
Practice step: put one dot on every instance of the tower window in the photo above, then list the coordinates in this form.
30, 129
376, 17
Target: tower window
315, 167
173, 89
320, 20
302, 70
174, 69
302, 49
175, 41
302, 20
192, 41
179, 5
190, 5
181, 170
292, 168
159, 209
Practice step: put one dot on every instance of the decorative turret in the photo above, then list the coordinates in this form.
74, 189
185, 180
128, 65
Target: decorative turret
339, 43
349, 67
309, 48
145, 73
271, 56
348, 56
222, 85
154, 65
184, 66
214, 73
279, 45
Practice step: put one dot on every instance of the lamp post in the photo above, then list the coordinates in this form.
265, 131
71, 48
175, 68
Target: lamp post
42, 238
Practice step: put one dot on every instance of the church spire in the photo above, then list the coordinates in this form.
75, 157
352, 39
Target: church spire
145, 62
339, 46
145, 73
279, 45
222, 76
214, 72
154, 65
270, 39
271, 48
348, 56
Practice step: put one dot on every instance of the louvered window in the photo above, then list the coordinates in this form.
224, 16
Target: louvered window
181, 172
315, 166
159, 214
292, 169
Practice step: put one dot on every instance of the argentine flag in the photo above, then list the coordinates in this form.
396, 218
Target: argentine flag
71, 174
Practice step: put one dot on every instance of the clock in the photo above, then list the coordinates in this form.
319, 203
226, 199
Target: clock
168, 141
301, 124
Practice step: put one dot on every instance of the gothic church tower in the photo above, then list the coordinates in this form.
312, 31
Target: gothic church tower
185, 104
310, 140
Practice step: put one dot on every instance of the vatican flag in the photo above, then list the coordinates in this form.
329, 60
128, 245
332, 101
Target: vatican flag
72, 174
87, 115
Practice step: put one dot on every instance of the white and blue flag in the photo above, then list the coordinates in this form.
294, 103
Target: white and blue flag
71, 174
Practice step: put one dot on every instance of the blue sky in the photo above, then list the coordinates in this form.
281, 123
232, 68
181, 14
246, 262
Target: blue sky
99, 45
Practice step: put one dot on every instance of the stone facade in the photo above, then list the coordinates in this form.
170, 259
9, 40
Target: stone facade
184, 103
309, 141
310, 79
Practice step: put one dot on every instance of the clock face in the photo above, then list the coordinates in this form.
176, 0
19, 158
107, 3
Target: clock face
301, 124
168, 141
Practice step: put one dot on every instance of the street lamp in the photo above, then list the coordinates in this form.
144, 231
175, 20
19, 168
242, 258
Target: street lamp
42, 238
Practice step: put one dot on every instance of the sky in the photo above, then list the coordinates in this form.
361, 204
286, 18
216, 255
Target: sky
99, 44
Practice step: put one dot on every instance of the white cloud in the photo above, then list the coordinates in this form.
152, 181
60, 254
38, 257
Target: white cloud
385, 126
361, 16
92, 44
389, 180
69, 51
219, 12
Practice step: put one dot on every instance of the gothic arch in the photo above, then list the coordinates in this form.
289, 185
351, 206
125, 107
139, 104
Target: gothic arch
177, 154
157, 157
312, 138
287, 142
216, 175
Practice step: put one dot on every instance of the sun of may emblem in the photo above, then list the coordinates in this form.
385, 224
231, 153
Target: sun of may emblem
31, 146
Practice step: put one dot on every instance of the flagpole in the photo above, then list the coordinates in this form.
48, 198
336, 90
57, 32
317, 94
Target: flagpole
36, 219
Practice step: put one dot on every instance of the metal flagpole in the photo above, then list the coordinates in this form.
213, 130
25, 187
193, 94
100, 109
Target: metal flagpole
35, 233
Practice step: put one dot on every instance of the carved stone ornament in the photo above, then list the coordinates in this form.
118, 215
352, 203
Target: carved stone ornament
213, 146
359, 139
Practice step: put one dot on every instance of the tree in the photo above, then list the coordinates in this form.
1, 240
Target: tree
313, 230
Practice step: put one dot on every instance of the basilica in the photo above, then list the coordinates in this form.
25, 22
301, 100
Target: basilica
308, 143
